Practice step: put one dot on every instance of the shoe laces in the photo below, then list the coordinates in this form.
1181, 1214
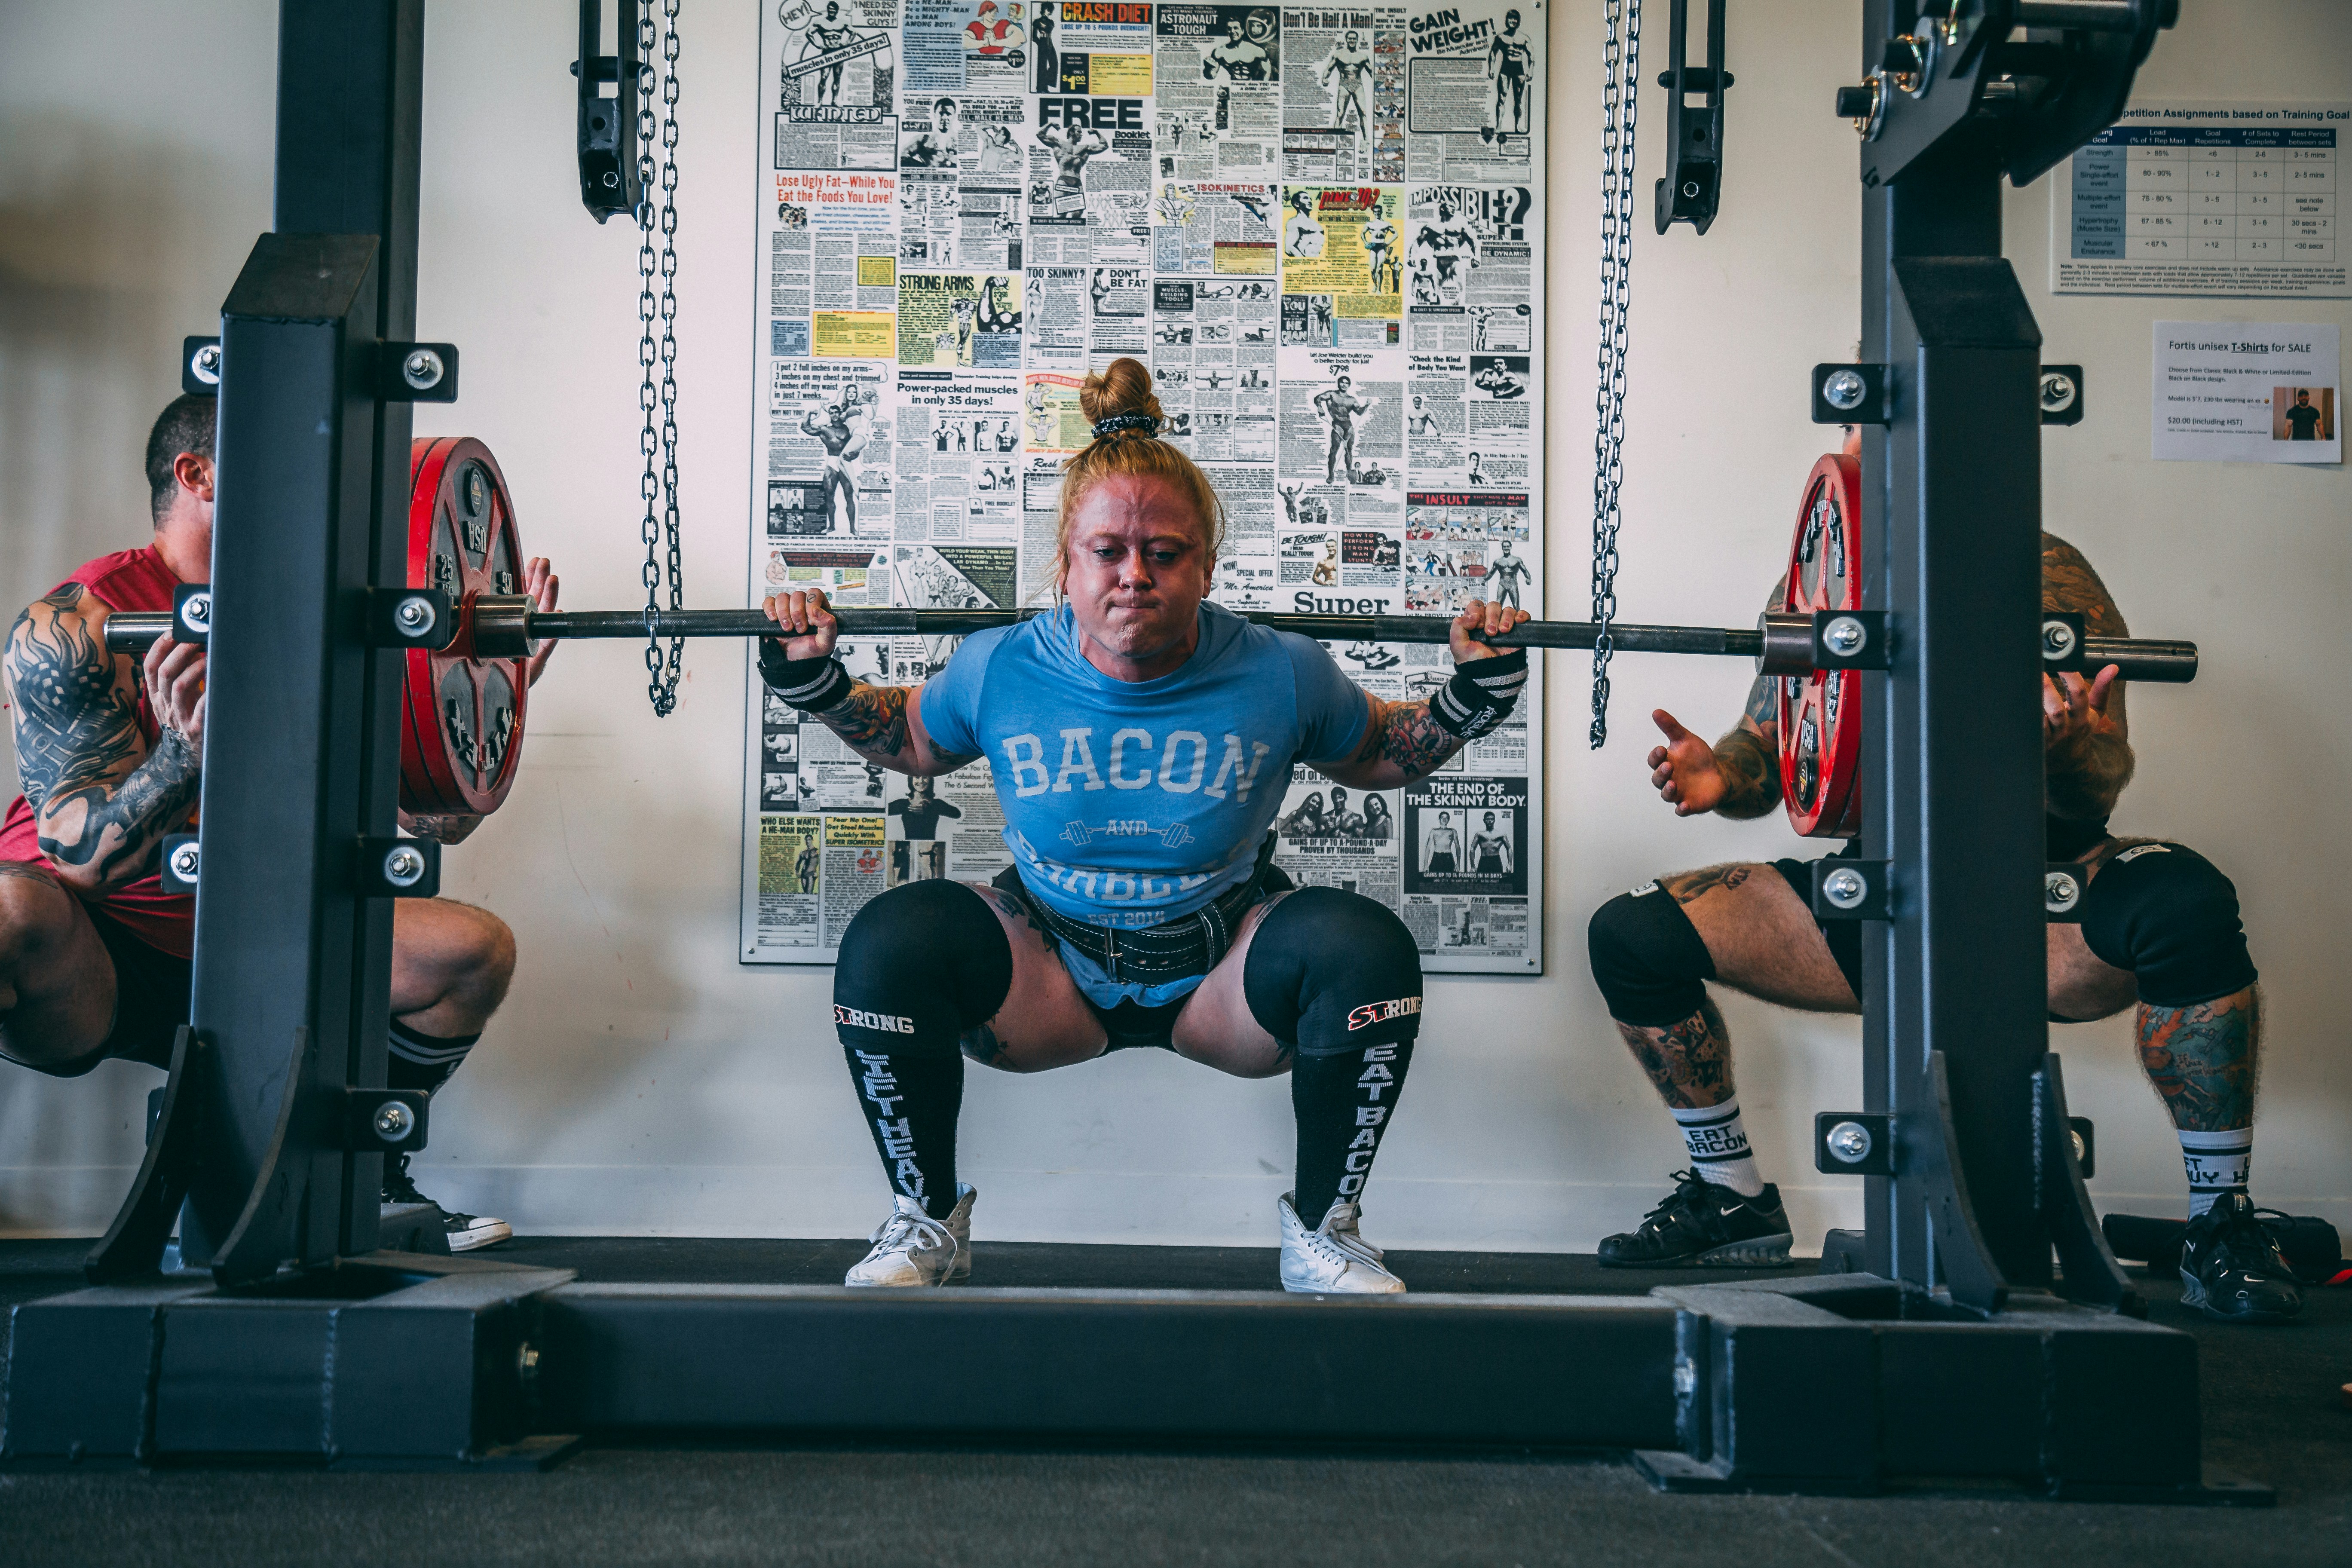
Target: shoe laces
1340, 1243
1332, 1249
912, 1232
1341, 1221
2246, 1244
1689, 1188
399, 1187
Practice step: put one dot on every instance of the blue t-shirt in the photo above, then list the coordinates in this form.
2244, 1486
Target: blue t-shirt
1128, 803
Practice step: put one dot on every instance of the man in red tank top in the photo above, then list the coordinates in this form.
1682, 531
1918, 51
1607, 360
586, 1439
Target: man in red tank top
94, 954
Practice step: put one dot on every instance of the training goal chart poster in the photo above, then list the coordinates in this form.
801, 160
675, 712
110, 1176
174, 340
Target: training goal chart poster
1321, 228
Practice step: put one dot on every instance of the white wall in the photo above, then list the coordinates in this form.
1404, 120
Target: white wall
639, 1081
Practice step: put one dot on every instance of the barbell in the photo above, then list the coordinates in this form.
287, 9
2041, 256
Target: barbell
468, 636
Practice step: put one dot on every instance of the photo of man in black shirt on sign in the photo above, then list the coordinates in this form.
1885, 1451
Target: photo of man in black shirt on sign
2302, 419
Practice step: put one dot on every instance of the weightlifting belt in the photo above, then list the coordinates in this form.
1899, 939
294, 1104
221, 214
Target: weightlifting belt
1174, 949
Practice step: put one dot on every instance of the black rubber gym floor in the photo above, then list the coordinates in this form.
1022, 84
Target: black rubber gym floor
2273, 1413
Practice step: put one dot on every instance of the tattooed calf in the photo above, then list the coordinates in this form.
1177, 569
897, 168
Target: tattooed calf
2202, 1060
1690, 1062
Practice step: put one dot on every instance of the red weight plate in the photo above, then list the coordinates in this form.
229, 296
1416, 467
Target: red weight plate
461, 728
1821, 713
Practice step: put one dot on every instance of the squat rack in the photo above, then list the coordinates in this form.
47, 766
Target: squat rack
1950, 1348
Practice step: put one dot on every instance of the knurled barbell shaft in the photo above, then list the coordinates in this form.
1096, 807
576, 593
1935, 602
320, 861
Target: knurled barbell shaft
505, 626
892, 622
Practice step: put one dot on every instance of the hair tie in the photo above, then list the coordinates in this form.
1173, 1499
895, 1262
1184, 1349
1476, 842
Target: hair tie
1116, 423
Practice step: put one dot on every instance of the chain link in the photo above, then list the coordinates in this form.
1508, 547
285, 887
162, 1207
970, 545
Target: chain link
659, 439
1621, 99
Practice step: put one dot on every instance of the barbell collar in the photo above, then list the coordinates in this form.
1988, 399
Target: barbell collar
500, 625
1785, 643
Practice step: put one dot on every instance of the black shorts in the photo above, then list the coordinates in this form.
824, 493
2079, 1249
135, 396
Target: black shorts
1844, 937
151, 998
1440, 863
1131, 1025
2067, 841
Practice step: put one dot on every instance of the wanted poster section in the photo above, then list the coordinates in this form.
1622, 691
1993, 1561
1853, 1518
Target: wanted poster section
1319, 226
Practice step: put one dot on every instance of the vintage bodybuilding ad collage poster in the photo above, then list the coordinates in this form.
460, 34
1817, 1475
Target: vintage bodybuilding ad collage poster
1321, 227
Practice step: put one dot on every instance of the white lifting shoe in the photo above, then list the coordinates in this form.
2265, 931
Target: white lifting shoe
1332, 1259
913, 1249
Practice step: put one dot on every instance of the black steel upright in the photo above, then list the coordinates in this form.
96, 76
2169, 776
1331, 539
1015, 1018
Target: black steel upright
1952, 742
292, 967
1955, 1025
1956, 1030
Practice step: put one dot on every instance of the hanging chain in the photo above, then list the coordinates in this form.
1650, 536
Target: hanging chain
1621, 99
659, 440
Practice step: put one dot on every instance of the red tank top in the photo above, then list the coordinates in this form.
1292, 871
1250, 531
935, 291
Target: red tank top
126, 580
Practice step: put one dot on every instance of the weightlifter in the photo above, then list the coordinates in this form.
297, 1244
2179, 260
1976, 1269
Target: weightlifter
1140, 739
2159, 931
94, 954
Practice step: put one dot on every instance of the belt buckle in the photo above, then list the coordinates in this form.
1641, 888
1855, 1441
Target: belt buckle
1111, 952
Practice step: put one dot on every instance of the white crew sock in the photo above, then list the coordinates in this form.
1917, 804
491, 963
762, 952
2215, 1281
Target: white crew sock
1718, 1147
2217, 1163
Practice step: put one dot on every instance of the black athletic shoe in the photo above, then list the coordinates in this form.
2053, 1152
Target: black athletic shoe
2232, 1268
466, 1231
1701, 1225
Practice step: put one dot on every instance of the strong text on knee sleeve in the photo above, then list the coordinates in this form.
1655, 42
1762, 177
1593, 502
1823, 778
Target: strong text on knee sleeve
856, 1019
1381, 1012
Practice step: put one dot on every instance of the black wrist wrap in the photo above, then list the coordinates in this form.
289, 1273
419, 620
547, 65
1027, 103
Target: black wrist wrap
811, 685
1481, 695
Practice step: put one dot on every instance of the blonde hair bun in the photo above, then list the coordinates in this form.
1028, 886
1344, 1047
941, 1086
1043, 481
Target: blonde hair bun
1122, 386
1131, 447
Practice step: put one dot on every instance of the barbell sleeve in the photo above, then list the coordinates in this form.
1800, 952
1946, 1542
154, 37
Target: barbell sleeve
2141, 659
506, 626
135, 631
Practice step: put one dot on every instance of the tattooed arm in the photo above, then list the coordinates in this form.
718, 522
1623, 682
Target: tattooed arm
2084, 727
1403, 741
1749, 757
102, 798
1739, 775
883, 724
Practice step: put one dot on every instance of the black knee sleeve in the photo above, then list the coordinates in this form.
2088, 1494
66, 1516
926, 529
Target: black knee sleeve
1338, 976
1330, 970
918, 965
924, 962
2169, 915
1648, 959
